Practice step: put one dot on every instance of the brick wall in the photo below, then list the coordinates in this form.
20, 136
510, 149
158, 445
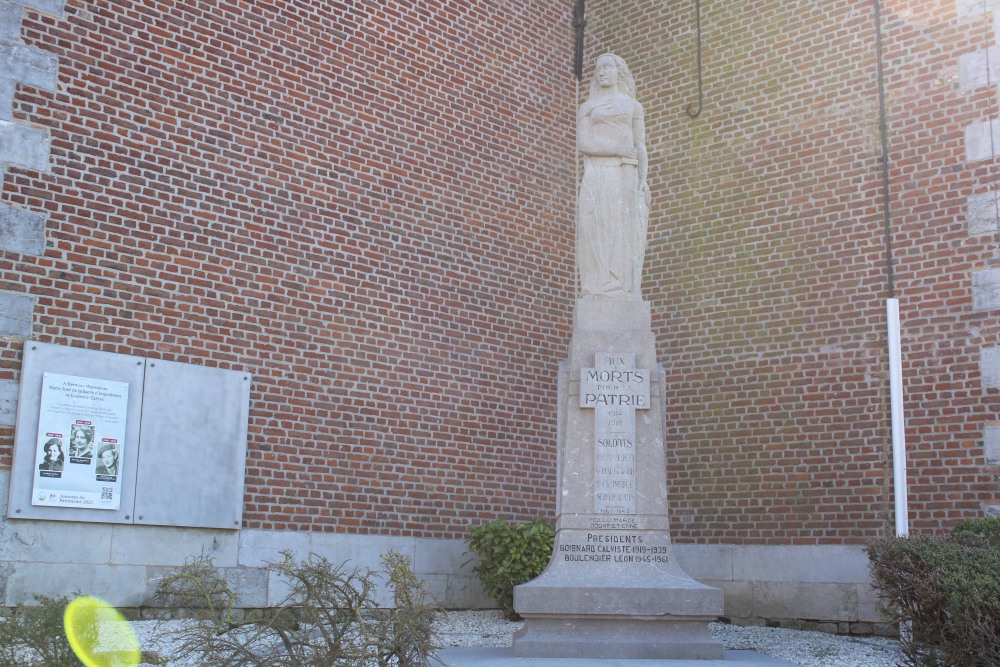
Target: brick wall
768, 268
368, 205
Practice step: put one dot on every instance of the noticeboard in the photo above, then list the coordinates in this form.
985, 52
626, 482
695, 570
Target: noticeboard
113, 438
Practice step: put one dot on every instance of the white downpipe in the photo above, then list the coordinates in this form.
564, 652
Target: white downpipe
896, 409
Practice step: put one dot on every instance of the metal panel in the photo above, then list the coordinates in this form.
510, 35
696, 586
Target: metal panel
193, 448
41, 358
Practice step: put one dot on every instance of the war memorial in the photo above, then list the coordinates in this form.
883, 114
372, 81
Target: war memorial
346, 277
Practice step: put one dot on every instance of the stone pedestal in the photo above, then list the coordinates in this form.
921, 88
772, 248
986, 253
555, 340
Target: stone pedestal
613, 588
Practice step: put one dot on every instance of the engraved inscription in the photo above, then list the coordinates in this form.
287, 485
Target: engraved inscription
615, 389
634, 548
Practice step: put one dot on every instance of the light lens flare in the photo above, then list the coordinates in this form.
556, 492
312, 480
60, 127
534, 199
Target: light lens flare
99, 635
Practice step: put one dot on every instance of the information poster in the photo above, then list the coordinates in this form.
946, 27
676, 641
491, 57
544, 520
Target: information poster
81, 438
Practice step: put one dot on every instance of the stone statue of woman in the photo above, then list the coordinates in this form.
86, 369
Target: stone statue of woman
613, 206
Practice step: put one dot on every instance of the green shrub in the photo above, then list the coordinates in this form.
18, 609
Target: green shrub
34, 635
945, 594
986, 528
510, 554
329, 617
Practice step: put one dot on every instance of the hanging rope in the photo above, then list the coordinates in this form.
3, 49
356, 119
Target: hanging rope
579, 24
697, 111
987, 32
884, 132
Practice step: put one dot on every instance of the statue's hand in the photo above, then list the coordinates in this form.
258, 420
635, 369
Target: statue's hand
644, 189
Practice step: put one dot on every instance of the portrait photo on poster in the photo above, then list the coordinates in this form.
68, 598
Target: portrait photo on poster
53, 458
81, 442
107, 462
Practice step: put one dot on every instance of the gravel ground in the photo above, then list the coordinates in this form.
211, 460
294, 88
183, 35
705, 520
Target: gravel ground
809, 649
490, 628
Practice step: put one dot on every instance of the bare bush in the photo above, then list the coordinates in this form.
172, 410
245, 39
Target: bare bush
329, 617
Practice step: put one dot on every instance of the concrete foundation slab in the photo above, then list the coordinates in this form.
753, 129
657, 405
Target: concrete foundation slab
504, 657
617, 638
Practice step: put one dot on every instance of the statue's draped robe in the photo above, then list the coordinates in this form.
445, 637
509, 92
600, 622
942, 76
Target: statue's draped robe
611, 211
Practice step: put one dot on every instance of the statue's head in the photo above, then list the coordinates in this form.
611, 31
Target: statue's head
626, 84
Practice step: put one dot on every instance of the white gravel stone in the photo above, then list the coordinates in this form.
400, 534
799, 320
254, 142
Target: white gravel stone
490, 628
